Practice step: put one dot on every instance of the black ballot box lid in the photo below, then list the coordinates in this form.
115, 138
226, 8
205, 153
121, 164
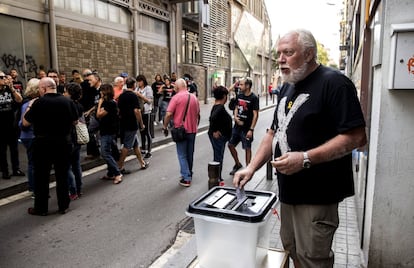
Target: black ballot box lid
222, 202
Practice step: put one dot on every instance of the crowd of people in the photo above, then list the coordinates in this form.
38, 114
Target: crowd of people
116, 113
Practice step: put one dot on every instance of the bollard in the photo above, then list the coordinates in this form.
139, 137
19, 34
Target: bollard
269, 171
213, 174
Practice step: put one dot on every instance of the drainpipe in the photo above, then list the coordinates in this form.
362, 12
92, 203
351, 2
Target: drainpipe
52, 31
134, 11
201, 46
172, 8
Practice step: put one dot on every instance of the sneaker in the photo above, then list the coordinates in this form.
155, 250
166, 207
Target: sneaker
18, 173
6, 176
185, 183
73, 197
147, 155
221, 183
235, 168
145, 166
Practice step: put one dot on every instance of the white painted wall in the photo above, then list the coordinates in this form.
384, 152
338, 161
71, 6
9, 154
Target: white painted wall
389, 229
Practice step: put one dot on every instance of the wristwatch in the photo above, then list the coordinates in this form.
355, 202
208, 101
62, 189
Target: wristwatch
306, 160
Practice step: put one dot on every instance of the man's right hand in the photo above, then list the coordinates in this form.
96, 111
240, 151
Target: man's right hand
242, 176
165, 131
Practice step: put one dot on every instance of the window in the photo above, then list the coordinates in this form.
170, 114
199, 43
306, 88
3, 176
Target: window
153, 25
96, 8
190, 7
25, 49
191, 50
60, 3
74, 5
101, 10
113, 13
88, 7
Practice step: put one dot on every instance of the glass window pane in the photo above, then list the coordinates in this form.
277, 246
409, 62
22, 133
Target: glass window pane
159, 26
113, 12
74, 5
102, 10
36, 47
88, 7
124, 17
12, 46
60, 3
145, 23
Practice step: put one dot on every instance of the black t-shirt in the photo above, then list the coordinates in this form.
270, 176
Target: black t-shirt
7, 108
192, 88
155, 87
109, 123
330, 106
168, 92
90, 95
52, 116
18, 85
127, 102
220, 120
245, 107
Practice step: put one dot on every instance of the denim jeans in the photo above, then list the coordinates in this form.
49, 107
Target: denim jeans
75, 171
106, 151
219, 146
185, 153
28, 145
164, 106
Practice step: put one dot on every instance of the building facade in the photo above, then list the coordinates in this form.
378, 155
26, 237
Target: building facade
378, 54
138, 37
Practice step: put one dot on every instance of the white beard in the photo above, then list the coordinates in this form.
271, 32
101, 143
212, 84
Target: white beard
296, 75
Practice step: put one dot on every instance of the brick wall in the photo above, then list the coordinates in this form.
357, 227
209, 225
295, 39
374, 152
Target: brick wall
199, 77
152, 60
109, 55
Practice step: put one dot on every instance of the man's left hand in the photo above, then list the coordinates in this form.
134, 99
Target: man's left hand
289, 163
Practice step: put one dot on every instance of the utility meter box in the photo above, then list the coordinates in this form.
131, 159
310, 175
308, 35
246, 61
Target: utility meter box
402, 56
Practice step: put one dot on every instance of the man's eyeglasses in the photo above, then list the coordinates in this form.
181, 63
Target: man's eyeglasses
3, 77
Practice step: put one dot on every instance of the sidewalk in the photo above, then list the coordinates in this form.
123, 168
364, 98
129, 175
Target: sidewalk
183, 253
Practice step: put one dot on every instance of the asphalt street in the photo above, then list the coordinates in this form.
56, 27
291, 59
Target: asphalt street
125, 225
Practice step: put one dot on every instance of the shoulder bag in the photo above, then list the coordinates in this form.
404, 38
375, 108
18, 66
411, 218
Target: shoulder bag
178, 133
82, 134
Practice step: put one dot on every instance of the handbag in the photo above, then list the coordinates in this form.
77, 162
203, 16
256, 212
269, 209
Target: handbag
178, 133
93, 125
82, 134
